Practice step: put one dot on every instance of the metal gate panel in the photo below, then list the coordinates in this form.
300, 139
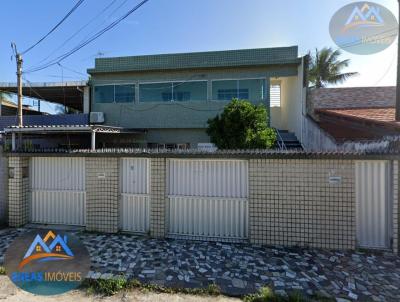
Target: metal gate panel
208, 217
58, 173
135, 213
58, 193
58, 207
208, 178
135, 198
373, 204
135, 175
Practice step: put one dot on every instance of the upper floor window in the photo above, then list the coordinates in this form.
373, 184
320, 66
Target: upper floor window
173, 92
118, 93
229, 94
226, 90
275, 95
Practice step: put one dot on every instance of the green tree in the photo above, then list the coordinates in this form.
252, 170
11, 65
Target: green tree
242, 125
326, 68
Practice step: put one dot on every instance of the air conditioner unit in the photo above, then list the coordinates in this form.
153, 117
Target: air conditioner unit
96, 117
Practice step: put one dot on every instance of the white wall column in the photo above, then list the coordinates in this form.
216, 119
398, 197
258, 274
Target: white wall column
86, 99
93, 140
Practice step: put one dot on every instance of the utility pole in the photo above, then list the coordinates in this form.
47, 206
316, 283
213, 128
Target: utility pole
398, 73
18, 58
19, 88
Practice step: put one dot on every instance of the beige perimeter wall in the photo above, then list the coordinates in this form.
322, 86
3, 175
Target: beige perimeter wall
292, 202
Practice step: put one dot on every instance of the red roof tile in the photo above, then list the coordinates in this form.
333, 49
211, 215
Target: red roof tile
378, 116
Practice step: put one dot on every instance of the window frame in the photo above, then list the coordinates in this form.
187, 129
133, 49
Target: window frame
115, 84
171, 91
238, 79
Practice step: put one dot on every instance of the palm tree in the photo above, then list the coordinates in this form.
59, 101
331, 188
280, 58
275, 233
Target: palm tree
325, 68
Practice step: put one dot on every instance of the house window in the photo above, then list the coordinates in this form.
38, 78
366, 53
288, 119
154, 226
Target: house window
275, 95
124, 93
104, 94
225, 90
114, 93
229, 94
173, 92
177, 96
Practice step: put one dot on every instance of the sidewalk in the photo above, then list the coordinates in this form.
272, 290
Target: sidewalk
240, 269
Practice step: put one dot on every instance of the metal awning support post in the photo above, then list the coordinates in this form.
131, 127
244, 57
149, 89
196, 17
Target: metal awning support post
13, 141
93, 140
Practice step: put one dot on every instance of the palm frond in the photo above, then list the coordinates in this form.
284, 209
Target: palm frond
326, 68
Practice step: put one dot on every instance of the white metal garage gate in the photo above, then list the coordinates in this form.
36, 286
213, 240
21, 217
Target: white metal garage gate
208, 198
58, 190
135, 198
374, 204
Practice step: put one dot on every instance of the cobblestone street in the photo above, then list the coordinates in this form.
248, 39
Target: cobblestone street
239, 268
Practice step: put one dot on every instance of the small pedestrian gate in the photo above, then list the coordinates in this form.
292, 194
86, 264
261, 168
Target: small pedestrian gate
135, 198
58, 190
208, 198
373, 204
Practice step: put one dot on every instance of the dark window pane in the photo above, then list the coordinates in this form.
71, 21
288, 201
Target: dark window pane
155, 92
104, 94
255, 89
224, 90
190, 91
124, 93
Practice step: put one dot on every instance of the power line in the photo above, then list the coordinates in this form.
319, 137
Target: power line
79, 30
94, 37
55, 27
104, 21
72, 70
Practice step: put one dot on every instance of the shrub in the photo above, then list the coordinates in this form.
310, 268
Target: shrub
242, 125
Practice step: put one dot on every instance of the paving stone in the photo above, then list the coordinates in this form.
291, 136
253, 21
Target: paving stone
239, 283
239, 268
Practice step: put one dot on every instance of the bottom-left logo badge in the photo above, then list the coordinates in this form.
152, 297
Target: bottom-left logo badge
47, 262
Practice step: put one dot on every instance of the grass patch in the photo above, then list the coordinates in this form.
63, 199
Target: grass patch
110, 287
2, 270
265, 294
105, 287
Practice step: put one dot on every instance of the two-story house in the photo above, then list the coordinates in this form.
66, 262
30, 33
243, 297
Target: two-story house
170, 97
166, 100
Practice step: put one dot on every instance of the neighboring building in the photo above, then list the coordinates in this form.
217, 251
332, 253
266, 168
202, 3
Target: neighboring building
353, 118
8, 108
